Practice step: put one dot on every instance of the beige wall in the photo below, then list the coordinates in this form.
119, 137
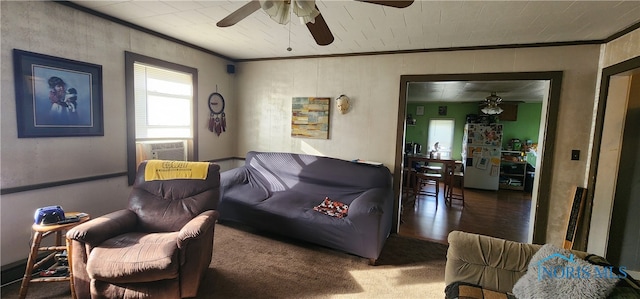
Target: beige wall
368, 131
623, 48
619, 50
56, 30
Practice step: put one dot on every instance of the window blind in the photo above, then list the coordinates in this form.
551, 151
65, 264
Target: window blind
163, 102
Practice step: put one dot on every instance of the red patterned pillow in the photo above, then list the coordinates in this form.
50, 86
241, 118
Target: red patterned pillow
332, 208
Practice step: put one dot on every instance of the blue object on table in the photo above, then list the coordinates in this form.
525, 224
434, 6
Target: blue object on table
48, 215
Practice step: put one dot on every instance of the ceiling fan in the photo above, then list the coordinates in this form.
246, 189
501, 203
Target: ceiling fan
305, 9
491, 104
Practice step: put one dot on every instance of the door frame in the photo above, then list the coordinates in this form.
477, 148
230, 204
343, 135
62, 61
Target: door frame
630, 65
540, 203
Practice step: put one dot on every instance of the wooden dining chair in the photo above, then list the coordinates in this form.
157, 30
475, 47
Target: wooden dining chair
424, 179
454, 179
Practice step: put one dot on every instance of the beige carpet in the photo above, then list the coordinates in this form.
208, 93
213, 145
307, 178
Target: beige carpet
249, 264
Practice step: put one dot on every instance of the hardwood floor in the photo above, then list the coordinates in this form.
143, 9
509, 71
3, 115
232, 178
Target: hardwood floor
502, 214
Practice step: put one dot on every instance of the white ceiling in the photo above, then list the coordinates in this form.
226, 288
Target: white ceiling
363, 27
529, 91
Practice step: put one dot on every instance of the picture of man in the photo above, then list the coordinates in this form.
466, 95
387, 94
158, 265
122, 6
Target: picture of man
61, 98
57, 96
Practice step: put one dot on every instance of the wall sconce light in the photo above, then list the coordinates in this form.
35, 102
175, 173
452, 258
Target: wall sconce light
343, 103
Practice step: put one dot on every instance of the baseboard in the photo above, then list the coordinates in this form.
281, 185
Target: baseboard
15, 271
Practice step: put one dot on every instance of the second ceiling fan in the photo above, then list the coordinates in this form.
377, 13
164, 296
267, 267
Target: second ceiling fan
305, 9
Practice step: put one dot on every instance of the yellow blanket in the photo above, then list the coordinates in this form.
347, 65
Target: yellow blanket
169, 170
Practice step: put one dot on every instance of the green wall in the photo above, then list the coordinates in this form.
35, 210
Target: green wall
525, 127
456, 111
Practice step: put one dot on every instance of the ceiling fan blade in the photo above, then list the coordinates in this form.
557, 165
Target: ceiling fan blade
320, 31
239, 14
391, 3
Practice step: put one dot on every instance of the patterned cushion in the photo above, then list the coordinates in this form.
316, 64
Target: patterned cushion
332, 208
464, 290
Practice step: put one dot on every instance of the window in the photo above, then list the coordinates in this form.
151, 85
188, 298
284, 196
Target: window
441, 131
161, 110
164, 101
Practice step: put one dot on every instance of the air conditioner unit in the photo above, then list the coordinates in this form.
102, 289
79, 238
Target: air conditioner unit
167, 150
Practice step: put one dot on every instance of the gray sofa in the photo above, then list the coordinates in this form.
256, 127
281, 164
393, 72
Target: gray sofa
277, 192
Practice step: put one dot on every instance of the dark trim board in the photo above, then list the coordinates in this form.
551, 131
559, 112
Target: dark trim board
24, 188
621, 33
32, 187
226, 159
452, 49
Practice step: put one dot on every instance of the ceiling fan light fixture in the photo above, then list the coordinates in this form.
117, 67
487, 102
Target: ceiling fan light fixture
305, 10
492, 107
491, 110
493, 98
279, 10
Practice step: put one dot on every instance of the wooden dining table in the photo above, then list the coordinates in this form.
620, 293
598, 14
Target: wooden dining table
428, 160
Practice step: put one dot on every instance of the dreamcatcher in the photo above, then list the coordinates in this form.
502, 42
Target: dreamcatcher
217, 119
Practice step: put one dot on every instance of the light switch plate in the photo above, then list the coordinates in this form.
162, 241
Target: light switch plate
575, 155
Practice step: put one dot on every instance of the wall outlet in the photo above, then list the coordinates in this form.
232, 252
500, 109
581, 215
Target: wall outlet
575, 155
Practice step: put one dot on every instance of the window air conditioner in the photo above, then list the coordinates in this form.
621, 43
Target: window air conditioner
168, 150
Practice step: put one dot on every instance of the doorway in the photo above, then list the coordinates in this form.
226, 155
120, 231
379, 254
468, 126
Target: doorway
541, 189
615, 171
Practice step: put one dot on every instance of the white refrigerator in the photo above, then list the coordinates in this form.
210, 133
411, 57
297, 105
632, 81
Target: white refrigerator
481, 153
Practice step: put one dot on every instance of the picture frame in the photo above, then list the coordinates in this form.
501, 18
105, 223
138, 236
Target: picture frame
483, 162
420, 110
57, 97
310, 117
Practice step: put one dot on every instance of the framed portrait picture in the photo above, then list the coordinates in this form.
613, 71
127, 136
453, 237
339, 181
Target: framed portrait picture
57, 97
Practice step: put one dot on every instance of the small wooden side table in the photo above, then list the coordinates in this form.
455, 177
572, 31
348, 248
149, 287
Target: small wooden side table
42, 231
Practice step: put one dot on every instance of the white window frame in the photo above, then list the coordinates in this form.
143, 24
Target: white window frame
435, 134
153, 85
